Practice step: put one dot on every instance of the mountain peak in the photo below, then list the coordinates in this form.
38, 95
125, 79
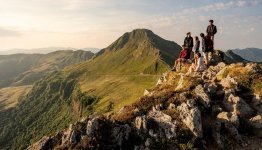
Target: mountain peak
144, 41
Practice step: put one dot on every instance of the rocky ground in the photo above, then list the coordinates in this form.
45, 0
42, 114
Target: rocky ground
220, 108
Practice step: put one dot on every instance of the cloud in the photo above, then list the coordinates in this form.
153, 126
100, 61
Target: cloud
8, 32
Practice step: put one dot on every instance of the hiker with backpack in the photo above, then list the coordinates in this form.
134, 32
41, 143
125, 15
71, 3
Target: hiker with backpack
188, 43
211, 30
182, 58
207, 47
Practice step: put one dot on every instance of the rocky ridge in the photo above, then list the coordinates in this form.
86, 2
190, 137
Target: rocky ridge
219, 108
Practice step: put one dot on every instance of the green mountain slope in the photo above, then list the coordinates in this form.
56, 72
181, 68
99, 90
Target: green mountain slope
25, 69
115, 77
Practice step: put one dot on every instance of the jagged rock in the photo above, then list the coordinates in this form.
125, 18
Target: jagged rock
183, 96
148, 92
161, 80
203, 96
69, 135
234, 133
253, 67
141, 123
191, 103
238, 106
84, 119
211, 88
120, 133
232, 130
256, 103
191, 117
148, 142
230, 117
256, 122
43, 144
228, 82
92, 126
172, 106
164, 122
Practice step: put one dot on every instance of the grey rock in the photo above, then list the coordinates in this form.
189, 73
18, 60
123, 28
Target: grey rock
203, 96
171, 106
256, 122
165, 123
92, 126
229, 117
120, 133
191, 117
141, 123
238, 106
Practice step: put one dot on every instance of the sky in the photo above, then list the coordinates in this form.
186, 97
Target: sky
97, 23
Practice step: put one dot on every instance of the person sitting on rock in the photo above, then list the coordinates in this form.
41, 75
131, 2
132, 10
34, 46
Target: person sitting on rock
182, 58
199, 66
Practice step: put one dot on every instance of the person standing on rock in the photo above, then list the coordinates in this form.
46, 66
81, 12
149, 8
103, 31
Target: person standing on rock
204, 47
189, 43
211, 30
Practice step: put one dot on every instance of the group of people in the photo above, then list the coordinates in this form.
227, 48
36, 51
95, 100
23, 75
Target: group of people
190, 49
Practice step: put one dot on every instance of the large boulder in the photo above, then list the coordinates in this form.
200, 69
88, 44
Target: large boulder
92, 126
203, 96
191, 117
238, 106
229, 117
256, 122
120, 134
164, 123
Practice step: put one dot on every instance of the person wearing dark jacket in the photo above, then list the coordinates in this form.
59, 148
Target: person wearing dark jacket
196, 47
211, 30
182, 58
207, 46
189, 43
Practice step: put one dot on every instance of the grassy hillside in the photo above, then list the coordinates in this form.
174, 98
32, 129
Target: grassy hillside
9, 96
120, 73
115, 77
25, 69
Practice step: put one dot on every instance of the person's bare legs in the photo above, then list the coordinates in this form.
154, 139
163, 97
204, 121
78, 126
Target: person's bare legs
176, 63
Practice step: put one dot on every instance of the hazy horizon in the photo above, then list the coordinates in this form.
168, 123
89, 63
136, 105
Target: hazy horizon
89, 23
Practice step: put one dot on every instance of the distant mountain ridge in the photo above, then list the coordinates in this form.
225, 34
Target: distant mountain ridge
25, 69
44, 50
251, 54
